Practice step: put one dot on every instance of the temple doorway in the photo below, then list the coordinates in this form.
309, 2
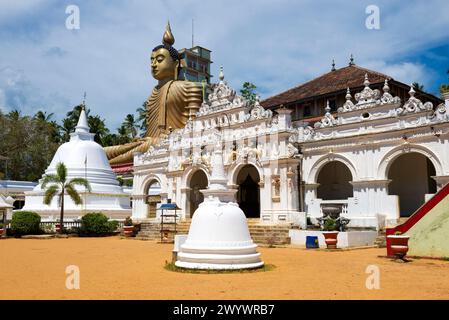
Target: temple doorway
248, 195
198, 182
411, 179
153, 198
334, 182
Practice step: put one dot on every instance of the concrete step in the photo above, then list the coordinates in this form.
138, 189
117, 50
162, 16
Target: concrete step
260, 233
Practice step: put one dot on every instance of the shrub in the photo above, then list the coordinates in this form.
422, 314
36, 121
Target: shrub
25, 222
1, 225
96, 223
330, 225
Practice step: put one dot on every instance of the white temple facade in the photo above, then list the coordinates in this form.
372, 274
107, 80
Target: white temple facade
260, 162
84, 158
378, 158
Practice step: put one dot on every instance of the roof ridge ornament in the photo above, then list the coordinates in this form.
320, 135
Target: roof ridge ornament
221, 74
367, 97
414, 105
348, 105
387, 97
333, 65
351, 60
328, 120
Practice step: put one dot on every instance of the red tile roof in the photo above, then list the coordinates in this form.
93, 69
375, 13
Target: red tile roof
122, 168
351, 76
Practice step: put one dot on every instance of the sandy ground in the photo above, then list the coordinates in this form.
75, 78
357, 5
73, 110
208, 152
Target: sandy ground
114, 268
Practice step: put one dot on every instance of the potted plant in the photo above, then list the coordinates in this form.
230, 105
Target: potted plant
399, 244
330, 233
128, 227
1, 229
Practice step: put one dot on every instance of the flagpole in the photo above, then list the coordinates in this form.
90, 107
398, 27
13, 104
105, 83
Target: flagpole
85, 177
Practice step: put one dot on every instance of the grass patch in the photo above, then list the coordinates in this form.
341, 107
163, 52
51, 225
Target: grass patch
170, 266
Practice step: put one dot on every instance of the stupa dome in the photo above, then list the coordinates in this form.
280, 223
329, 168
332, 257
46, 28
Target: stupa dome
84, 158
218, 237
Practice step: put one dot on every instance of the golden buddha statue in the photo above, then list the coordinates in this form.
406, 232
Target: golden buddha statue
170, 104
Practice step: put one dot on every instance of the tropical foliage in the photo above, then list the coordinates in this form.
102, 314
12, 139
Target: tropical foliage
96, 223
444, 88
248, 92
29, 142
57, 185
25, 222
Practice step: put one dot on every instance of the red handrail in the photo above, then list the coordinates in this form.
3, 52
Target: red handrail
417, 215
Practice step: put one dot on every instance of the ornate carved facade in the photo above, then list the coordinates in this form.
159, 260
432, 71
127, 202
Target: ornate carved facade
297, 169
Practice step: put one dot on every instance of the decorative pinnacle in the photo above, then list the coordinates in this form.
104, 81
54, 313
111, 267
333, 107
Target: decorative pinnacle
348, 94
386, 88
83, 105
412, 91
328, 108
221, 75
366, 82
351, 60
168, 37
257, 102
333, 65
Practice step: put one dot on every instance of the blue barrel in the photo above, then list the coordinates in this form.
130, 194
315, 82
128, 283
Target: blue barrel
312, 242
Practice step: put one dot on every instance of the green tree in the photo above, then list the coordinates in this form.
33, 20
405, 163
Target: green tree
123, 136
248, 92
57, 184
29, 143
418, 86
131, 125
444, 87
142, 119
98, 127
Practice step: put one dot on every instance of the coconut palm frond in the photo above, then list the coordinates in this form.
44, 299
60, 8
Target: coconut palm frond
81, 182
49, 178
61, 171
50, 193
74, 195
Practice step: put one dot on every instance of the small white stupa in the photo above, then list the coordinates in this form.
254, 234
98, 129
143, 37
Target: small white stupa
84, 158
219, 237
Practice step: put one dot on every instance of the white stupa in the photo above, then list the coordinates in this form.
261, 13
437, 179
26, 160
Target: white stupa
219, 237
84, 158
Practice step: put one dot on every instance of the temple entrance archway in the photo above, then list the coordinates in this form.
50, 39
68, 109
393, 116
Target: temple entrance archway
153, 197
334, 182
198, 181
248, 195
411, 179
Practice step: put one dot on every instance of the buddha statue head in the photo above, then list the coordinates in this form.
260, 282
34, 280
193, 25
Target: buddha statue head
165, 59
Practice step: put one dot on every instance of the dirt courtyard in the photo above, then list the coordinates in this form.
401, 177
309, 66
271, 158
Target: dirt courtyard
114, 268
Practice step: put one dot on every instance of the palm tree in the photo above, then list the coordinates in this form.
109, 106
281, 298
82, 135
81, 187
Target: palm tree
59, 186
98, 127
43, 116
131, 125
142, 119
418, 86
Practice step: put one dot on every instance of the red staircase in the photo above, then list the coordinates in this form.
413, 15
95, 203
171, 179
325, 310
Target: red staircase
417, 215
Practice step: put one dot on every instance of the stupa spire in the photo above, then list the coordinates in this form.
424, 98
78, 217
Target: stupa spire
82, 126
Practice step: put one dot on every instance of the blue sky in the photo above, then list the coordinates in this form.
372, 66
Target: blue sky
274, 44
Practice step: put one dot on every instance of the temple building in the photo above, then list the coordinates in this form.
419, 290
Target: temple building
352, 138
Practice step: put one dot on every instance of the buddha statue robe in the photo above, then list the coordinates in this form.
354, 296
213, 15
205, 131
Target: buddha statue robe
168, 107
